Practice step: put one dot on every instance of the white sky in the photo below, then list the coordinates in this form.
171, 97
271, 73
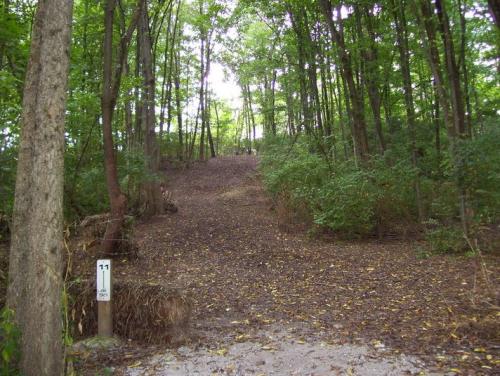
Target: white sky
224, 86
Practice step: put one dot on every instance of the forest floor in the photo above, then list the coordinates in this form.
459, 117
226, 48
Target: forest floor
269, 299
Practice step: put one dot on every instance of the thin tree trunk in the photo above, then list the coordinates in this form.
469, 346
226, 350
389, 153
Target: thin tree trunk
494, 6
372, 74
463, 65
252, 117
152, 201
404, 60
111, 85
178, 105
218, 128
356, 100
6, 4
452, 114
209, 132
437, 127
202, 94
272, 110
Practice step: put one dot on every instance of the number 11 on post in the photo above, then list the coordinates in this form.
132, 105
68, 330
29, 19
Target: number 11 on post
103, 280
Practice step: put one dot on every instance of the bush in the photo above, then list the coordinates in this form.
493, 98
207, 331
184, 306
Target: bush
381, 196
9, 344
290, 169
482, 174
445, 239
346, 203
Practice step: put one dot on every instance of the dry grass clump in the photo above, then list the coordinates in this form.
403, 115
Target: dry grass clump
144, 312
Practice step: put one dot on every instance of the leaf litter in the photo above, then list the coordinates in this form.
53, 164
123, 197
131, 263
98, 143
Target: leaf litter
247, 277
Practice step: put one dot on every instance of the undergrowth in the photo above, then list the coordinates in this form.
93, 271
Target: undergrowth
379, 197
9, 344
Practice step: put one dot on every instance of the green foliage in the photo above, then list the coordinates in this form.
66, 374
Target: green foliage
482, 173
268, 51
7, 177
342, 197
394, 179
9, 343
291, 168
444, 239
133, 173
346, 203
355, 201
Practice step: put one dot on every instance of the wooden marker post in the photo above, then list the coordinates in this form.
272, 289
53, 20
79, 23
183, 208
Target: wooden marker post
104, 287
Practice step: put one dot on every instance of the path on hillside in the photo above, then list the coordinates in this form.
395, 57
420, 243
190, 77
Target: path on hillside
281, 296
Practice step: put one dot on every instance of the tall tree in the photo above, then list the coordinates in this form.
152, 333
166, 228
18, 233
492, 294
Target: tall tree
358, 119
35, 274
111, 87
152, 194
404, 59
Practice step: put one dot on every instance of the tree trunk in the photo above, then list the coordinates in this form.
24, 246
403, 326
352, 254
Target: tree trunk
218, 128
452, 109
177, 76
209, 132
404, 60
356, 101
494, 6
153, 204
452, 70
111, 86
202, 95
372, 73
5, 11
35, 273
463, 66
250, 108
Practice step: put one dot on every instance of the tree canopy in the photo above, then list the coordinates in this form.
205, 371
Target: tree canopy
394, 96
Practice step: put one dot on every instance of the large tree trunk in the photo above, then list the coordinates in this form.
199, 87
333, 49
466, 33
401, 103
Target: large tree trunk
35, 274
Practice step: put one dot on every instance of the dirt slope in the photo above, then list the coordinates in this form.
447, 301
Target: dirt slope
247, 277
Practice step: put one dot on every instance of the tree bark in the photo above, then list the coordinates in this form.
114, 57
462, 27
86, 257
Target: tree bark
177, 76
494, 6
453, 111
152, 201
372, 74
358, 119
35, 273
111, 86
404, 60
202, 94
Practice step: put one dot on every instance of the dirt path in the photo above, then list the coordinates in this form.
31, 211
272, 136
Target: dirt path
267, 300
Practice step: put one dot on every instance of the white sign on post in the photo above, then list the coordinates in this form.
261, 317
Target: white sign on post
104, 280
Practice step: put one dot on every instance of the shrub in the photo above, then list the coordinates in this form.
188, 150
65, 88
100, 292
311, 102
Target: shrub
445, 239
9, 344
292, 170
346, 203
380, 196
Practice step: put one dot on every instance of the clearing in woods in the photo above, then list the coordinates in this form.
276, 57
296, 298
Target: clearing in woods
270, 300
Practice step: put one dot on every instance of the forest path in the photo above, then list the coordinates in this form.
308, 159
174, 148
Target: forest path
263, 297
